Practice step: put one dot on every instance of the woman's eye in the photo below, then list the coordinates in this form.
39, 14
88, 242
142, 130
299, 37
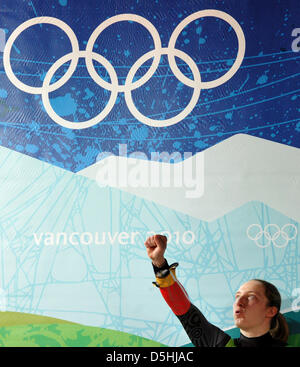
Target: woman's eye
251, 297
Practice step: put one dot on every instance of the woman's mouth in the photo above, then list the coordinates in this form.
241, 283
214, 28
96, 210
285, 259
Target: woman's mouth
238, 313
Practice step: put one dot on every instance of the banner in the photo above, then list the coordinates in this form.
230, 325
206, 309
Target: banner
123, 119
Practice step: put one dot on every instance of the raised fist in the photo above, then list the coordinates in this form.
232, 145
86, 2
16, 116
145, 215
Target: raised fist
156, 246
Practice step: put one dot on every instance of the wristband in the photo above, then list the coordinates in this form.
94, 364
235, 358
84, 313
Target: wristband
164, 278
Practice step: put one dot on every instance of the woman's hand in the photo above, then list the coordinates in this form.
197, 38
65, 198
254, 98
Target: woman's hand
156, 246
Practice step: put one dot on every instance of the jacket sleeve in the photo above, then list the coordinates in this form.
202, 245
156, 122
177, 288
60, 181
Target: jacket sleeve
201, 332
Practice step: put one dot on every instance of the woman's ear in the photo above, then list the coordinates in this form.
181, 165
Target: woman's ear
272, 311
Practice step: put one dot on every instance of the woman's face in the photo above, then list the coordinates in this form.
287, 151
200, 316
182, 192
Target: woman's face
250, 308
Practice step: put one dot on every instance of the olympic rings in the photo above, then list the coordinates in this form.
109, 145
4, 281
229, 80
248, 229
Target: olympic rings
239, 58
271, 238
118, 18
188, 108
94, 120
39, 20
113, 86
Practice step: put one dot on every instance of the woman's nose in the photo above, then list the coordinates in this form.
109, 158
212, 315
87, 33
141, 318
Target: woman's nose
241, 301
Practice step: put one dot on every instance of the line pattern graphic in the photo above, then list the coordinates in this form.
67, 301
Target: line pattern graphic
95, 284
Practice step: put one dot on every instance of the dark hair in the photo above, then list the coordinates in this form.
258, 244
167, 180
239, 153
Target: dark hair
279, 328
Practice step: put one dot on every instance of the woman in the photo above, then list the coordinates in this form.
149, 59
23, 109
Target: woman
255, 310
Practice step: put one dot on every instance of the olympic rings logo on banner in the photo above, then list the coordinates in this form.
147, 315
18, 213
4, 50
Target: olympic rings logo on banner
272, 238
129, 85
